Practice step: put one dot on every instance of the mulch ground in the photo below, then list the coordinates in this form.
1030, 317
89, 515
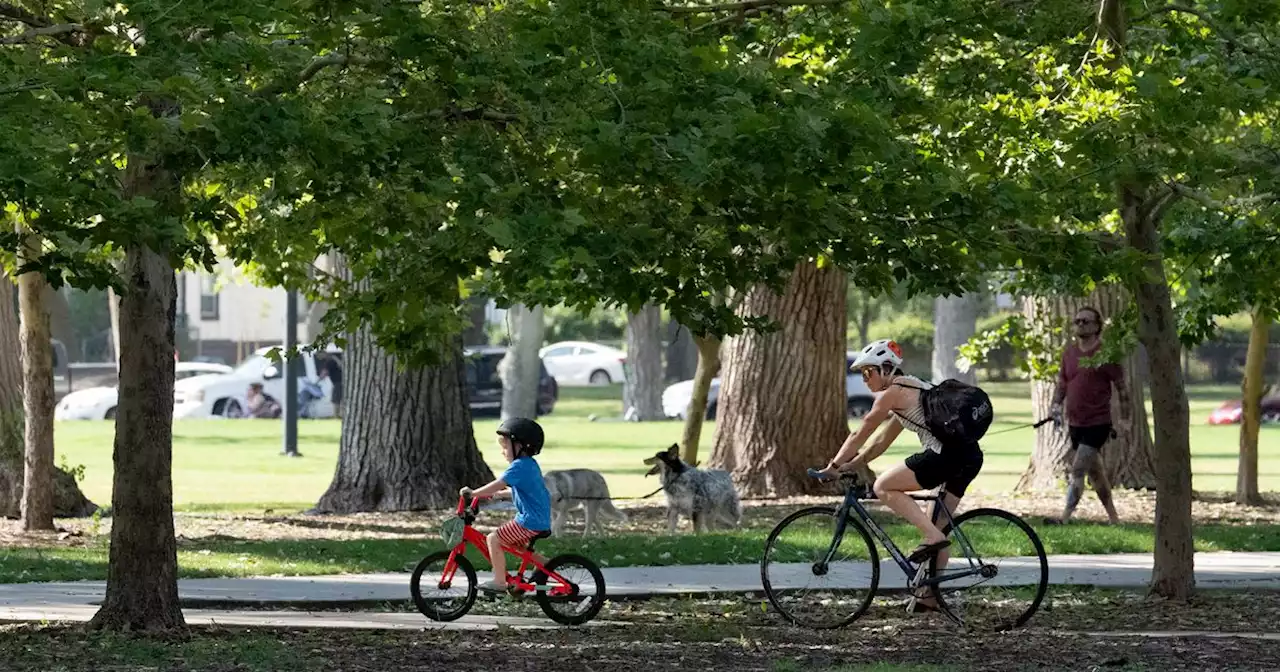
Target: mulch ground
687, 647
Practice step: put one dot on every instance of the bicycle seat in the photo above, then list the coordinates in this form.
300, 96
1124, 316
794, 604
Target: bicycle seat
541, 535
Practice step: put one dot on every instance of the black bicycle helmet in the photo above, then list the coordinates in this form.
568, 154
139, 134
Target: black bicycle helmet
525, 432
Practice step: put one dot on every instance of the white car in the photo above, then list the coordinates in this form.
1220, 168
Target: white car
583, 363
675, 399
225, 395
99, 403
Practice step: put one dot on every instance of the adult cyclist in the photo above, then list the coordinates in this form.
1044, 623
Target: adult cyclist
898, 400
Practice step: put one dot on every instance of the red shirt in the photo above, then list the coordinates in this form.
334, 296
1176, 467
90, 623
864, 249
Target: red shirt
1088, 388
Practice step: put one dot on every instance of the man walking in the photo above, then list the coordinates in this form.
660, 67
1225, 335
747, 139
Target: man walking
1087, 392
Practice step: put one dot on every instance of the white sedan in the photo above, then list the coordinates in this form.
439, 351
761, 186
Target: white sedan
675, 399
99, 403
583, 363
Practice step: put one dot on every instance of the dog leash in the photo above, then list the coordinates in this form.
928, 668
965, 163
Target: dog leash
660, 489
1033, 425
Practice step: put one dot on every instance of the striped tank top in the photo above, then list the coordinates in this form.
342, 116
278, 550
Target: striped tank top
913, 418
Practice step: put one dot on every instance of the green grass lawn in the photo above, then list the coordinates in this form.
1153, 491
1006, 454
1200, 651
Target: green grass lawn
227, 465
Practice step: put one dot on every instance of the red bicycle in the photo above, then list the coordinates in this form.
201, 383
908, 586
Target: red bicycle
450, 599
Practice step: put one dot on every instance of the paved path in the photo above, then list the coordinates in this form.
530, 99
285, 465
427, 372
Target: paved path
76, 600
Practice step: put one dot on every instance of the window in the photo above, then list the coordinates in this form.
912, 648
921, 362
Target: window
208, 298
562, 351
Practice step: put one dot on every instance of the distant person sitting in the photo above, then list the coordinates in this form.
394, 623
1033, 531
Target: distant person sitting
261, 405
312, 391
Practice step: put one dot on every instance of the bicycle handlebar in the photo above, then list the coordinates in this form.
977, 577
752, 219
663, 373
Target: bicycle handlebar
468, 501
817, 474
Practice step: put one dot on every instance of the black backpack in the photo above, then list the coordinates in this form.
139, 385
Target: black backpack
955, 412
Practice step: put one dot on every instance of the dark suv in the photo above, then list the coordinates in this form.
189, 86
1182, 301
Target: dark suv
484, 387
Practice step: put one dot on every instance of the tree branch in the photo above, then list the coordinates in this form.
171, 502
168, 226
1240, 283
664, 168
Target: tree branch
1204, 17
454, 113
59, 31
317, 64
745, 5
20, 14
1214, 204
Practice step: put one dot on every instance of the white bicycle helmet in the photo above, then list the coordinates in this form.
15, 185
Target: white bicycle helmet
878, 353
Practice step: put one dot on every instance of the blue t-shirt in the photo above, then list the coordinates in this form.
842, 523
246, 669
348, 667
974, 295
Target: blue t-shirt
533, 502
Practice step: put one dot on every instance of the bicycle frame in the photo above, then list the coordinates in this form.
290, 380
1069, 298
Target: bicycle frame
473, 537
852, 506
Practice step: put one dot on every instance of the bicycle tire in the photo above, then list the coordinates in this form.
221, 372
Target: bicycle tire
853, 524
424, 606
1040, 587
547, 602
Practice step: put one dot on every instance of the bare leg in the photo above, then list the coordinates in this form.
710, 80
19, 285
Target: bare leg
1084, 459
498, 558
1101, 485
944, 555
891, 487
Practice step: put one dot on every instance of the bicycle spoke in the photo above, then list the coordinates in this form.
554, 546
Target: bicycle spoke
994, 574
573, 593
803, 586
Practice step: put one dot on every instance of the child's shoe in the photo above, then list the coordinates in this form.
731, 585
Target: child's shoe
492, 586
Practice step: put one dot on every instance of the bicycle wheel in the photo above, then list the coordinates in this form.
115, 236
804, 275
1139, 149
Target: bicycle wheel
998, 567
586, 598
807, 589
443, 602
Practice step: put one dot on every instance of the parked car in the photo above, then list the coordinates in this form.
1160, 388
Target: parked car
584, 363
484, 386
99, 403
1231, 412
224, 395
675, 399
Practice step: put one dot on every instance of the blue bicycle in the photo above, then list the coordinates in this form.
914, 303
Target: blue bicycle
821, 569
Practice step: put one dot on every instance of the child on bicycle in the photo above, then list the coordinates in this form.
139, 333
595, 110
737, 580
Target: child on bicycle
521, 439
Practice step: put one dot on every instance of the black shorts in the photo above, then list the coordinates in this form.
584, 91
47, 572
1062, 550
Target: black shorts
957, 467
1093, 436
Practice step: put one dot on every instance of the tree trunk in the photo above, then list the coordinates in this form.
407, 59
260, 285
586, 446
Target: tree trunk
37, 388
782, 405
12, 443
142, 572
863, 309
68, 500
407, 442
955, 319
1251, 404
642, 390
113, 309
1173, 575
1128, 457
521, 368
682, 353
708, 367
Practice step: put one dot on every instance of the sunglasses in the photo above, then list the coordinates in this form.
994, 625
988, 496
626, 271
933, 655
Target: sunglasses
866, 374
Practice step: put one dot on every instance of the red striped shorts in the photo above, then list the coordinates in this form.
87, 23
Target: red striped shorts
515, 535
